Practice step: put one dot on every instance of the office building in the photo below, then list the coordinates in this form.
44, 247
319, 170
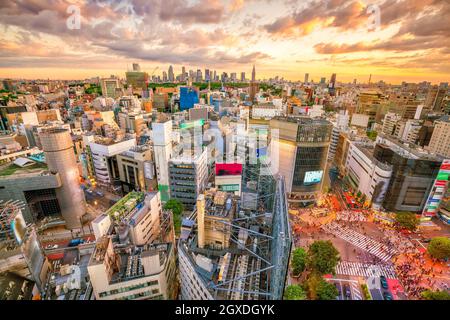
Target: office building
212, 265
109, 87
162, 148
188, 97
188, 174
366, 174
130, 272
413, 174
137, 169
137, 80
101, 153
440, 140
303, 145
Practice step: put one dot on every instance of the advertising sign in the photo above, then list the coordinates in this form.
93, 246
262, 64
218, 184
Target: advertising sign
312, 177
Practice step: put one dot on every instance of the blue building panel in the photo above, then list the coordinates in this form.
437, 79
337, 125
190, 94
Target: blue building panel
188, 97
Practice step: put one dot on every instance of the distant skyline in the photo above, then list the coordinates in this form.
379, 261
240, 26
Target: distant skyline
315, 37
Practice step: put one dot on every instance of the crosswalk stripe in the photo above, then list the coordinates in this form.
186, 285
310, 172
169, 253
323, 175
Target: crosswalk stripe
364, 269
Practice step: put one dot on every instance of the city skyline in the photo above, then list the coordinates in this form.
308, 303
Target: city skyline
315, 37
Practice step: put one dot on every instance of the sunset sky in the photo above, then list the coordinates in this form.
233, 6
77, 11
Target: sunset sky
284, 38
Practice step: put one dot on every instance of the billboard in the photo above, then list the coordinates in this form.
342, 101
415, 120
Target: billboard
435, 196
228, 169
313, 177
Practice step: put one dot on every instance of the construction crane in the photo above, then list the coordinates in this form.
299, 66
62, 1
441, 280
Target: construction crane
151, 75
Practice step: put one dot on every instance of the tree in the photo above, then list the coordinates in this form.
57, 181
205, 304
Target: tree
177, 209
439, 248
311, 285
435, 295
294, 292
322, 257
407, 220
298, 261
326, 290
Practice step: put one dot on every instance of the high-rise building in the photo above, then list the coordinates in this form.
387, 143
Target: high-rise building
164, 76
171, 74
183, 74
253, 74
188, 97
199, 76
211, 267
299, 149
207, 75
242, 76
440, 140
188, 175
137, 79
306, 78
109, 87
413, 174
59, 155
136, 67
162, 147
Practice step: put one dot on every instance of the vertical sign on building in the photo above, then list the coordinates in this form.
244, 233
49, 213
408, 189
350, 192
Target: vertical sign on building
438, 190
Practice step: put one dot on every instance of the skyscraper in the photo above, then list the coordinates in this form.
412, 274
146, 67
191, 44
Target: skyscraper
164, 76
253, 74
171, 75
60, 157
207, 75
306, 77
242, 76
183, 73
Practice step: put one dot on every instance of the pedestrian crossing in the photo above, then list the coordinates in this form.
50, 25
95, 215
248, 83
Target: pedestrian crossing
356, 293
365, 269
359, 240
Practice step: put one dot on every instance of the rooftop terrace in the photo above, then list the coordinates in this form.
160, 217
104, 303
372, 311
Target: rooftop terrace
125, 206
12, 168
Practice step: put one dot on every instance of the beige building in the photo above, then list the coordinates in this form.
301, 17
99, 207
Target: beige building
137, 169
440, 140
134, 272
215, 210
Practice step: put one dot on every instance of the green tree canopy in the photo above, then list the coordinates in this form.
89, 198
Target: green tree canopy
298, 261
326, 290
439, 248
177, 209
294, 292
322, 257
407, 220
175, 205
435, 295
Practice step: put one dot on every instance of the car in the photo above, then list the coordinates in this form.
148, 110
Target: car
75, 242
99, 193
383, 282
89, 191
387, 296
426, 240
49, 246
348, 293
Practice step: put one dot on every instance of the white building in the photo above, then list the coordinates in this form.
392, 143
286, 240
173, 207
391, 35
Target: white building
366, 174
132, 273
162, 147
103, 152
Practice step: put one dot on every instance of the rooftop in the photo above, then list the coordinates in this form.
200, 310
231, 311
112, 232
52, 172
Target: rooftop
126, 206
12, 168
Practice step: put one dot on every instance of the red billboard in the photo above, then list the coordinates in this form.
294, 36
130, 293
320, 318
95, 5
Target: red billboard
228, 169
